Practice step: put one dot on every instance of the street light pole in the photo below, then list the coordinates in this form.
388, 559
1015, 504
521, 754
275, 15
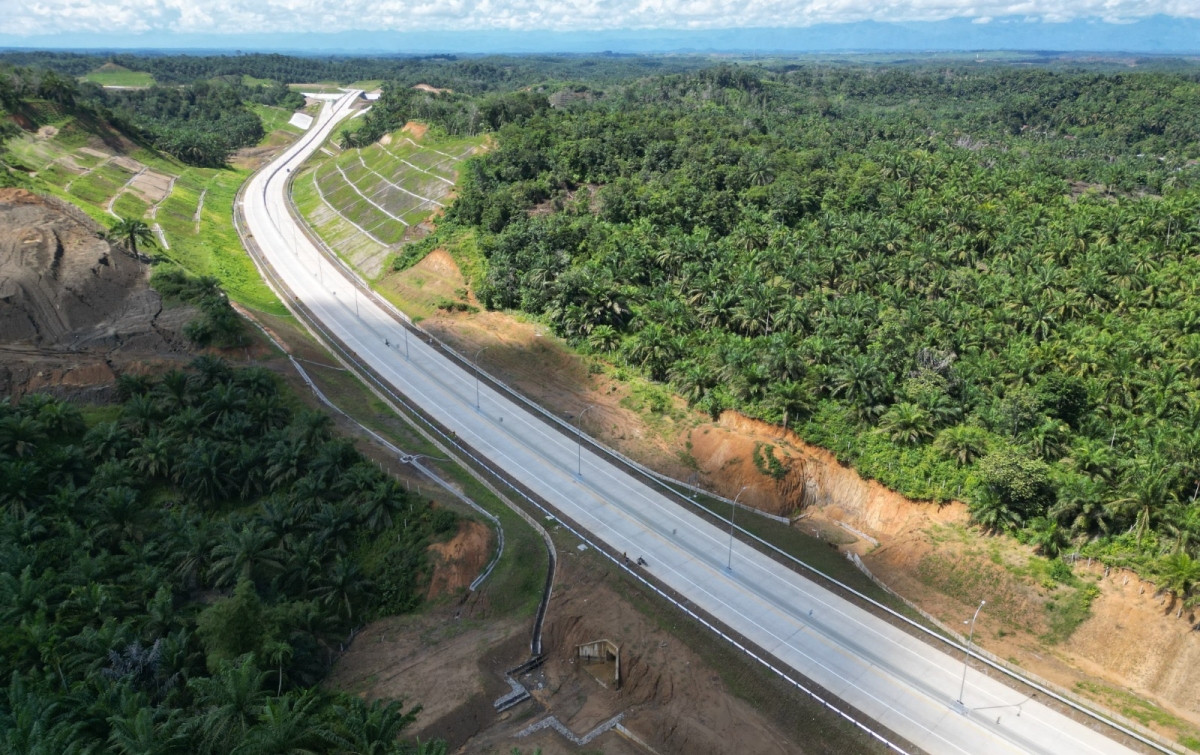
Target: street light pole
476, 361
732, 511
970, 638
405, 342
579, 442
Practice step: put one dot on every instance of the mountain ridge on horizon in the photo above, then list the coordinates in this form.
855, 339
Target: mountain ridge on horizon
1154, 35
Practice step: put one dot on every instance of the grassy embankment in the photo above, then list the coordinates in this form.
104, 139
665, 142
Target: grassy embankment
89, 166
406, 180
274, 119
206, 243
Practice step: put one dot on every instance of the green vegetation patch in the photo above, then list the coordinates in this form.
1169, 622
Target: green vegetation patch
1143, 711
217, 249
274, 119
970, 285
128, 205
206, 542
111, 75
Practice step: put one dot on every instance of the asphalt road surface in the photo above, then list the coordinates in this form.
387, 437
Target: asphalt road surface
892, 677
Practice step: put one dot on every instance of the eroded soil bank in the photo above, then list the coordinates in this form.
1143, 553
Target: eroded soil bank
1130, 651
681, 690
74, 309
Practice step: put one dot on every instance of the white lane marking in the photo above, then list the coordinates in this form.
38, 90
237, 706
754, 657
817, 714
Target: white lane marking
518, 413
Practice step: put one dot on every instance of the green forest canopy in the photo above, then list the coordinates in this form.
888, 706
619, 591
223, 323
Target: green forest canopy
178, 579
201, 123
976, 283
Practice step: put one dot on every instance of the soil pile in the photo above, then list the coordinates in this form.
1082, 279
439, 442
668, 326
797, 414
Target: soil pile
459, 560
71, 304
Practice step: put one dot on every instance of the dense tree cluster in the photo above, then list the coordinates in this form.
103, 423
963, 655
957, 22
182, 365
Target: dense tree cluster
218, 324
969, 283
201, 124
452, 113
472, 75
176, 580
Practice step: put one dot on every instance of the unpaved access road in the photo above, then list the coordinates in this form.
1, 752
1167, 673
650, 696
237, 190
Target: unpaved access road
890, 676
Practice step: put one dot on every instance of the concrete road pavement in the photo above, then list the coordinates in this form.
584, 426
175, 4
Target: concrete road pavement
890, 676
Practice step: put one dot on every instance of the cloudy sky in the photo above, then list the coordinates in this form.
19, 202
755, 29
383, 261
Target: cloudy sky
43, 17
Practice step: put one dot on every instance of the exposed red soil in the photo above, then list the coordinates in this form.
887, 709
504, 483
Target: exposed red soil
1130, 641
459, 560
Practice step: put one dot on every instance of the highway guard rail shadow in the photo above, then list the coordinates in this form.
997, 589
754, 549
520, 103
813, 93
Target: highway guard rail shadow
1121, 724
385, 393
668, 484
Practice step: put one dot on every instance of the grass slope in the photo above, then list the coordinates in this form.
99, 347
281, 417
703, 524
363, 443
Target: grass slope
111, 75
366, 203
274, 119
90, 165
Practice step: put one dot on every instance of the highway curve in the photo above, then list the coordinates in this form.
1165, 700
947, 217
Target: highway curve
890, 676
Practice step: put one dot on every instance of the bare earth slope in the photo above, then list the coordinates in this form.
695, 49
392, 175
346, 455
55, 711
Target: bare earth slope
72, 306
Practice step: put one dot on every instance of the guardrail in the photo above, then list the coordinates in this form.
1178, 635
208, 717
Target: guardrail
1147, 738
1116, 721
380, 388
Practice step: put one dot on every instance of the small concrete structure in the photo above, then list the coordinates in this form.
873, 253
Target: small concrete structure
301, 121
604, 652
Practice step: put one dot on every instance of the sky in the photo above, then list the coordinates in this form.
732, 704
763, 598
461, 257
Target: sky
43, 17
1152, 25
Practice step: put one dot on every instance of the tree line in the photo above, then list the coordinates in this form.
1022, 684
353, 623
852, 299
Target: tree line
178, 578
466, 74
201, 124
974, 284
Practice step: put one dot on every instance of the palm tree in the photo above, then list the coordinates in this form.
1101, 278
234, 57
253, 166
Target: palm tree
130, 233
246, 553
1183, 521
654, 348
229, 704
1080, 505
379, 504
288, 726
371, 729
105, 441
1047, 536
20, 435
1150, 489
152, 454
792, 398
146, 732
342, 586
312, 427
1180, 574
963, 443
204, 470
604, 338
279, 654
211, 370
990, 512
60, 418
906, 423
333, 525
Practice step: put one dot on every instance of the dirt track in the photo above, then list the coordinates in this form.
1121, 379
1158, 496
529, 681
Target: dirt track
678, 691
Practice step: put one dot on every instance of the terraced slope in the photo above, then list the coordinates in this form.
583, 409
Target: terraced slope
189, 208
367, 203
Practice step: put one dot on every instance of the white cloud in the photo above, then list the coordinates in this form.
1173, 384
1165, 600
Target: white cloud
246, 16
